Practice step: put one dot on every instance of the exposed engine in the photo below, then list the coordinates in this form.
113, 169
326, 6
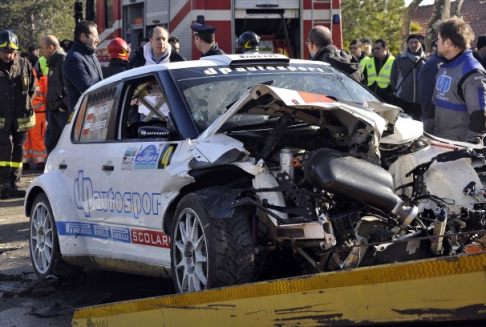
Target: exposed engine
325, 187
364, 221
352, 199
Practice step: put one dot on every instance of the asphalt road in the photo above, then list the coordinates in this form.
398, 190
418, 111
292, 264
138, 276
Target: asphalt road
27, 301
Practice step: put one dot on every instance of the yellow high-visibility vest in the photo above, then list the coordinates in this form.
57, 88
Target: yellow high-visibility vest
383, 78
363, 62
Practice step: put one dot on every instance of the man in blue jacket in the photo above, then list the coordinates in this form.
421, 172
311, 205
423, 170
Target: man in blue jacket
81, 67
426, 87
460, 88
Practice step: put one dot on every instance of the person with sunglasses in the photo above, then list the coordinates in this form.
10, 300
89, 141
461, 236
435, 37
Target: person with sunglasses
16, 113
378, 69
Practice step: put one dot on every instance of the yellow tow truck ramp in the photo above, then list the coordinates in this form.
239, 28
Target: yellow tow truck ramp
433, 290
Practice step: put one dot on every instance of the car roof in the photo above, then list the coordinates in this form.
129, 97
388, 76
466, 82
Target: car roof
209, 61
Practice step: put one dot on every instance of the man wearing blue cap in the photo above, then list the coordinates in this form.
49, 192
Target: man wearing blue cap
204, 38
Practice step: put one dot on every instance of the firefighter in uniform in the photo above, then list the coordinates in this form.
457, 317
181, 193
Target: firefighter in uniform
35, 151
16, 113
204, 38
248, 42
119, 52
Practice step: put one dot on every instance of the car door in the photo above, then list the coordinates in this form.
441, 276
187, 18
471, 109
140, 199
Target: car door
87, 169
140, 186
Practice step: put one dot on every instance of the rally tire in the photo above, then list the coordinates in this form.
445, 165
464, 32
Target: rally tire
224, 253
44, 242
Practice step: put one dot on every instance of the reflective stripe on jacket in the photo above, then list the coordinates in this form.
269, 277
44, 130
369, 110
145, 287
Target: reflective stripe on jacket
40, 94
17, 85
363, 62
10, 164
382, 79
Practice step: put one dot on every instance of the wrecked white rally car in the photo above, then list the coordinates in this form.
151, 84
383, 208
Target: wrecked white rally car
236, 168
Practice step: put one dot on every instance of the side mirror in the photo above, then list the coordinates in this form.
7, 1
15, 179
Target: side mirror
145, 132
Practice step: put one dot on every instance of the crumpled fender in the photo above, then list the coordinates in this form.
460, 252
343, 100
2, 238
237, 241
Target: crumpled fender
216, 149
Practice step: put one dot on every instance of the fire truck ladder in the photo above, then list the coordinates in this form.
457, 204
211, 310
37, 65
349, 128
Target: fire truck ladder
287, 39
314, 9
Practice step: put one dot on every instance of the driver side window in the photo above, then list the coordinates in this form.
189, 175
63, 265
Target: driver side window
145, 111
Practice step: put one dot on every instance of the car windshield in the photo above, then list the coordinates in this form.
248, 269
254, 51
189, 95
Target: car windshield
210, 91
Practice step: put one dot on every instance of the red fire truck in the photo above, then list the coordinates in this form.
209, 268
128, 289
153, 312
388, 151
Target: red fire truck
283, 25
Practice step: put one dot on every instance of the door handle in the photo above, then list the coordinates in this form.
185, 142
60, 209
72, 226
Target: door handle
108, 167
62, 166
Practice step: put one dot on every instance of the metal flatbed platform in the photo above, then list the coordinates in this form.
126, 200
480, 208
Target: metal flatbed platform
447, 289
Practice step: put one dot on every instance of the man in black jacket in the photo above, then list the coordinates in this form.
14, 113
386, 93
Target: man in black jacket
16, 113
355, 49
204, 38
81, 66
157, 51
480, 55
57, 104
321, 48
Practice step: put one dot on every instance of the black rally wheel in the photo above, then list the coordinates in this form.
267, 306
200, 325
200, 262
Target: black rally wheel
206, 252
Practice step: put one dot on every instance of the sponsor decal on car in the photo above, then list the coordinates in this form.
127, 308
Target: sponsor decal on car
146, 157
93, 230
150, 237
101, 231
313, 97
128, 158
123, 203
80, 229
119, 234
166, 156
227, 70
96, 119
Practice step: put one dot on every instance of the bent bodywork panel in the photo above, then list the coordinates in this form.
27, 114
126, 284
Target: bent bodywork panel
212, 147
275, 101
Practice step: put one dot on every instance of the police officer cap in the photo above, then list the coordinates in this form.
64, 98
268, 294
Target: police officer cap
200, 27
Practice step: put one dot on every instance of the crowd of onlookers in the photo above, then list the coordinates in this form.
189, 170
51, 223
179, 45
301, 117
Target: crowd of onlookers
41, 90
444, 87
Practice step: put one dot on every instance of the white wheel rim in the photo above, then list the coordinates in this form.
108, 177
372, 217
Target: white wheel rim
41, 238
190, 252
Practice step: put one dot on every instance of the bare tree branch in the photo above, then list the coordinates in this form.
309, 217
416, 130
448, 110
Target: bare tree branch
407, 20
457, 8
441, 11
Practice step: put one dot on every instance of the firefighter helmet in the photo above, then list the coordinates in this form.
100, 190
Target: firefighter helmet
118, 49
8, 40
248, 41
